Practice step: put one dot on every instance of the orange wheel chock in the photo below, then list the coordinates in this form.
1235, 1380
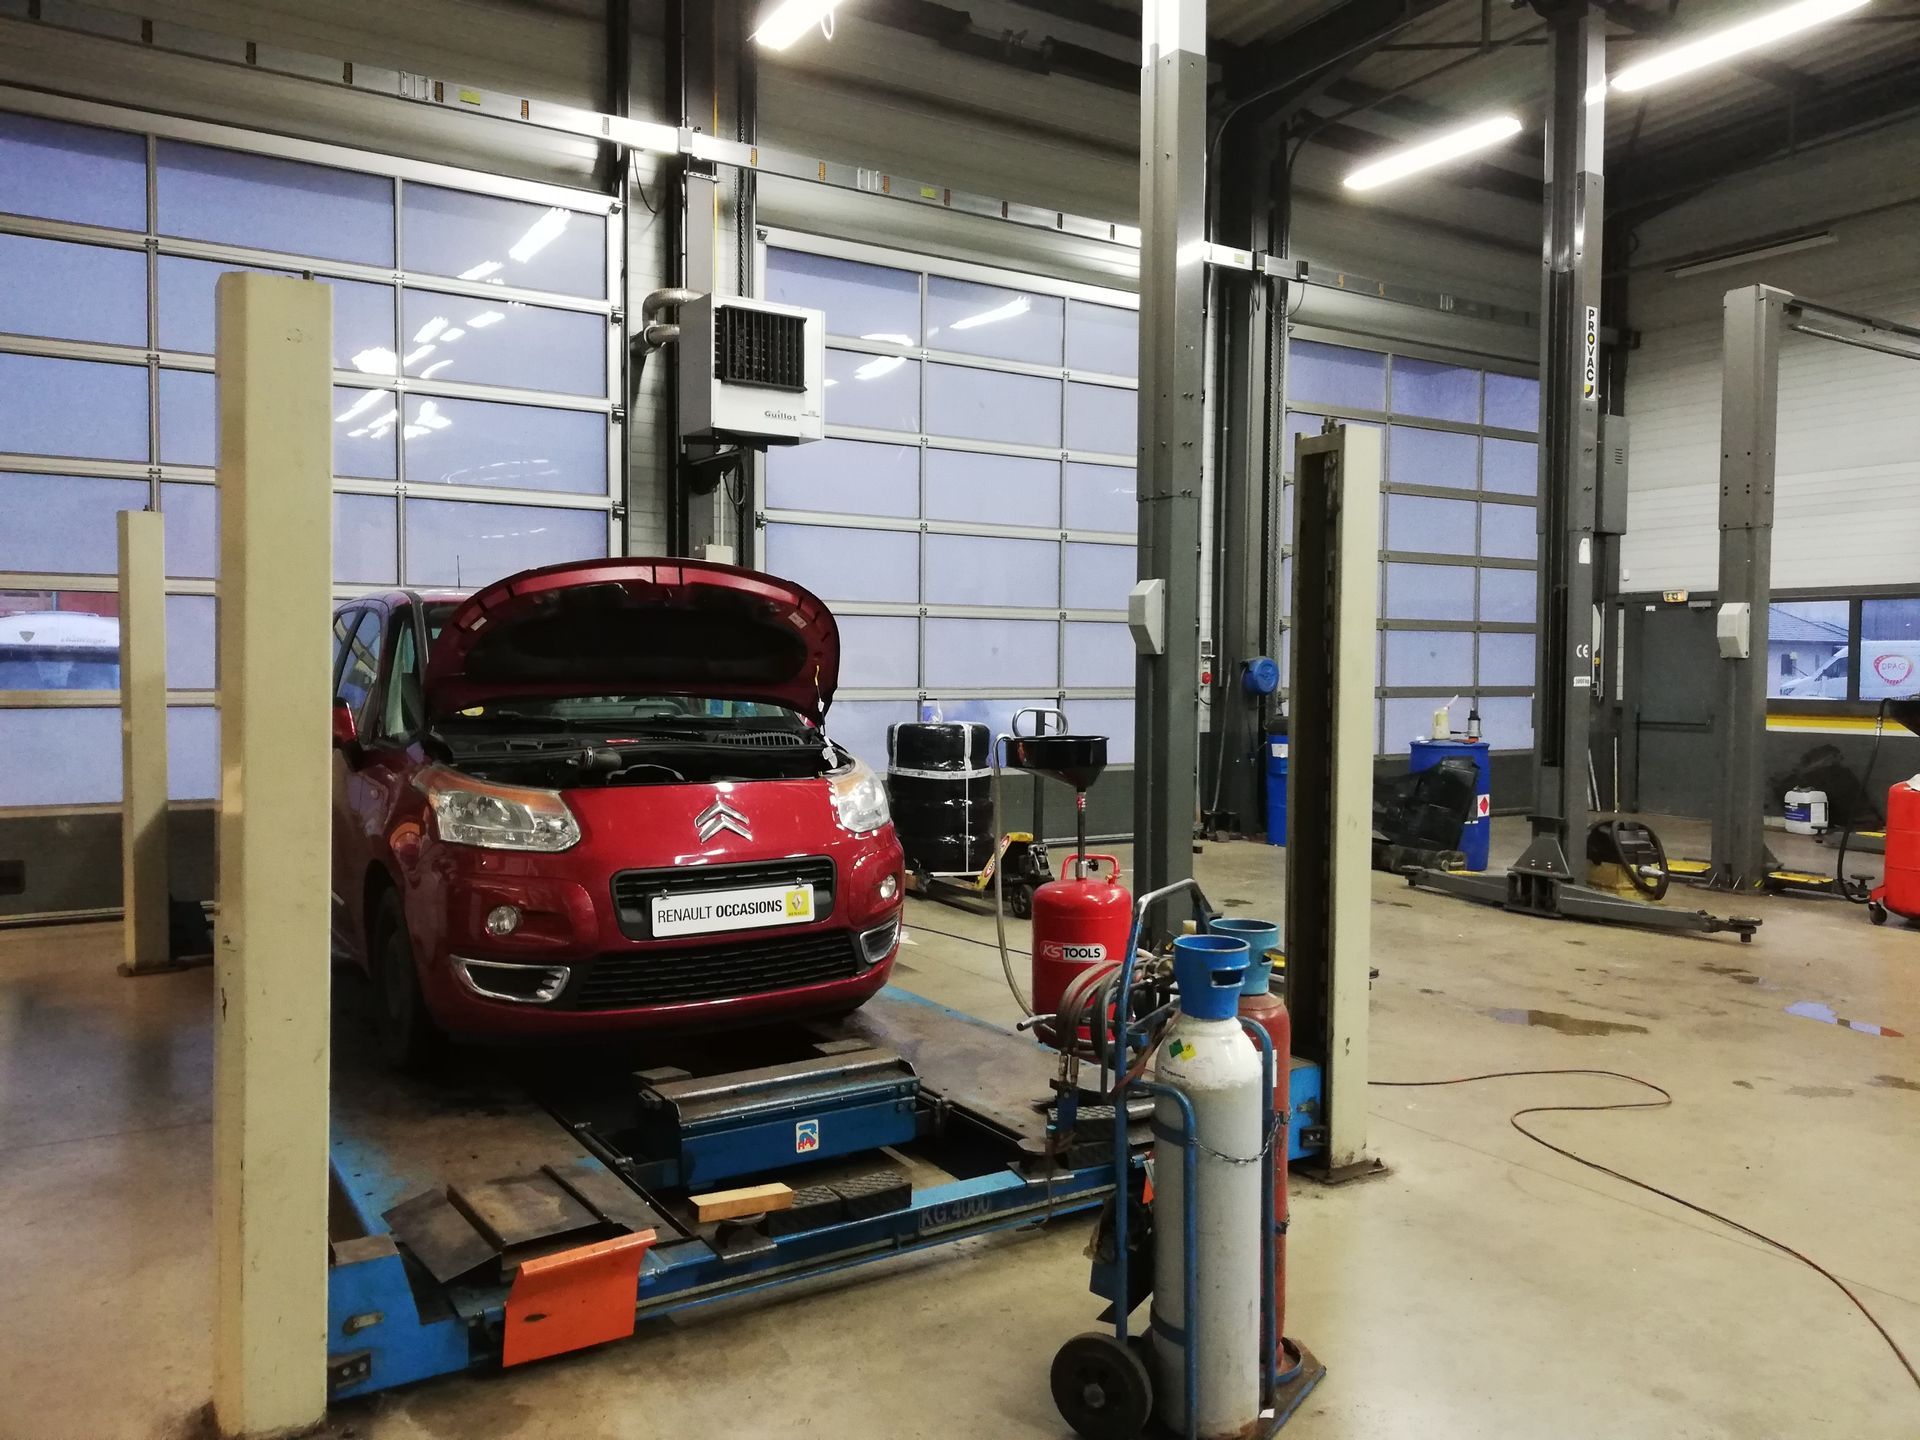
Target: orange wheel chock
573, 1299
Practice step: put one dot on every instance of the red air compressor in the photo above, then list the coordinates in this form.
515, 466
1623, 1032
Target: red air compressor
1081, 923
1899, 891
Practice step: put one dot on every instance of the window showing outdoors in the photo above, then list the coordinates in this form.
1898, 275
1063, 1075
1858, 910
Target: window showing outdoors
1460, 547
1807, 654
973, 509
1889, 649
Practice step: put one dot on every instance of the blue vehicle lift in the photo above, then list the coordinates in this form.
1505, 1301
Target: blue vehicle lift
497, 1214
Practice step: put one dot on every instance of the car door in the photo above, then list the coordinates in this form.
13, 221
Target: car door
356, 681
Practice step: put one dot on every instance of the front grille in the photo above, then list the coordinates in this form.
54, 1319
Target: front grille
754, 347
633, 890
749, 965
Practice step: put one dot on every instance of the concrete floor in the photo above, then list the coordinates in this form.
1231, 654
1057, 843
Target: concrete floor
1484, 1287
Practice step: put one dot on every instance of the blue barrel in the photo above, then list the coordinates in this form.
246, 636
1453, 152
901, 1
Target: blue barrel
1478, 835
1276, 789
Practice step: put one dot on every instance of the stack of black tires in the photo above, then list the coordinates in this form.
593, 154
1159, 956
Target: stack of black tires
940, 780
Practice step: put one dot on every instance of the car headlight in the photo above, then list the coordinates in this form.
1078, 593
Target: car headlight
467, 811
860, 799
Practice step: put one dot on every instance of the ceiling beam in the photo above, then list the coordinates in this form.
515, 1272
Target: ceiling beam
1676, 172
1309, 57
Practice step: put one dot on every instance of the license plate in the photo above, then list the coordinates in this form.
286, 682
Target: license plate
755, 908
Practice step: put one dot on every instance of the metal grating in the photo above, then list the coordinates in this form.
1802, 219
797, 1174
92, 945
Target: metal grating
633, 890
755, 347
752, 965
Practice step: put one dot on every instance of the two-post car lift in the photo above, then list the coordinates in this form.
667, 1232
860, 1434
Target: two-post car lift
519, 1206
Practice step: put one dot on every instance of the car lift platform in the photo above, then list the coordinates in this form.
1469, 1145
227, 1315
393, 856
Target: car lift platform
527, 1203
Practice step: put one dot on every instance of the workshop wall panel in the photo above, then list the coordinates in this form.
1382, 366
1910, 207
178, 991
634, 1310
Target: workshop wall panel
503, 414
975, 502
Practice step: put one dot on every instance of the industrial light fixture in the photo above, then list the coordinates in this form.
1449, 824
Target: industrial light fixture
542, 233
1450, 146
1017, 306
1721, 45
1763, 250
791, 19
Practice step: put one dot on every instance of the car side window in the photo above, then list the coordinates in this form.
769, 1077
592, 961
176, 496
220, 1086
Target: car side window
404, 707
362, 667
342, 628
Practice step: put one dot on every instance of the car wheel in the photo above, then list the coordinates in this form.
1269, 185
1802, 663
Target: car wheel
408, 1039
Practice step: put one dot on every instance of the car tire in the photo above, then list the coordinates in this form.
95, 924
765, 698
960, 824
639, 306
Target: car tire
405, 1030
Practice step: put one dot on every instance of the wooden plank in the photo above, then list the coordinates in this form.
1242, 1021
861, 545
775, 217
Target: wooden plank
732, 1204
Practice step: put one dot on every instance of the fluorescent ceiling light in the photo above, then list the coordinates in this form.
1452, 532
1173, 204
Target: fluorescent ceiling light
1437, 151
1734, 40
542, 233
435, 368
449, 336
883, 365
791, 19
430, 330
377, 361
480, 271
1019, 305
418, 354
1765, 250
484, 319
890, 337
430, 417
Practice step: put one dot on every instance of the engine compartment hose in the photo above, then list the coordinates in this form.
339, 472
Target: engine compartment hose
999, 888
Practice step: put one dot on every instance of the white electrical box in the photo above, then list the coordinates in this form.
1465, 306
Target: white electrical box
751, 372
1733, 628
1147, 616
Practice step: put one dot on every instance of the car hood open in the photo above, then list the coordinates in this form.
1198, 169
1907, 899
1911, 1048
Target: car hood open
637, 627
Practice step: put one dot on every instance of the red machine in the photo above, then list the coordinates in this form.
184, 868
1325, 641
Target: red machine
1080, 923
1899, 892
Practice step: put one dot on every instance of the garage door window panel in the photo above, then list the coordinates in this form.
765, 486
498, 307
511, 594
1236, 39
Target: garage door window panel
190, 522
64, 524
1509, 596
472, 543
502, 342
1429, 592
55, 290
967, 484
1426, 525
873, 392
1099, 577
263, 202
1102, 497
363, 337
494, 241
76, 757
1337, 376
996, 321
56, 171
989, 570
1103, 419
1103, 338
967, 403
365, 548
983, 654
1438, 392
843, 563
191, 630
861, 726
861, 301
509, 447
1427, 659
879, 652
852, 477
1100, 655
1510, 532
1433, 457
43, 396
84, 623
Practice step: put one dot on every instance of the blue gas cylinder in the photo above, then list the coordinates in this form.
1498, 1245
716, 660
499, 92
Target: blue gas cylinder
1478, 835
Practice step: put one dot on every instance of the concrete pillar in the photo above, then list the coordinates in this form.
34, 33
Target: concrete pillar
274, 368
143, 744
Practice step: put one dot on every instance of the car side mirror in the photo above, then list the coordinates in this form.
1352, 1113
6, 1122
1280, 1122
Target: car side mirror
346, 735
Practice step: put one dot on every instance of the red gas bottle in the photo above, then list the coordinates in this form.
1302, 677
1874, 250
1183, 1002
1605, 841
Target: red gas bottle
1080, 922
1900, 890
1268, 1010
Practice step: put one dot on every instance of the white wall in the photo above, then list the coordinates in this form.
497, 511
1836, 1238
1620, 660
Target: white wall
1847, 497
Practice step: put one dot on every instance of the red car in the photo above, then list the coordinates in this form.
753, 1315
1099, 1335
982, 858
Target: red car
601, 797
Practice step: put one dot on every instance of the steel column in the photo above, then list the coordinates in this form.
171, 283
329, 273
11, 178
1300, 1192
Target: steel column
1173, 96
1749, 422
143, 744
1569, 439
